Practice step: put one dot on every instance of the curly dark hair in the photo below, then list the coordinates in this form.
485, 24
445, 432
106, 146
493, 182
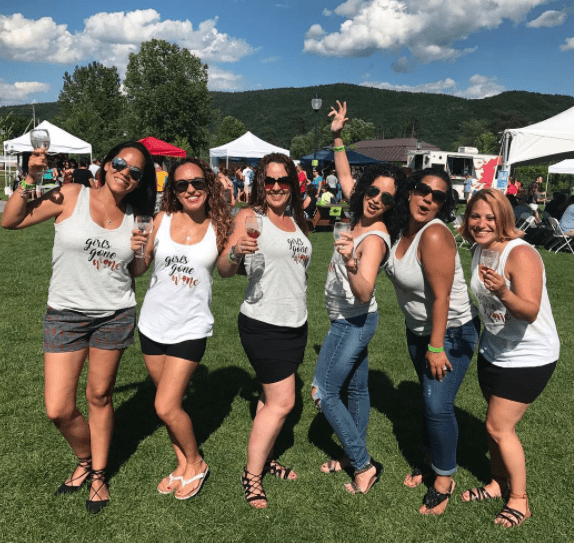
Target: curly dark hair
258, 199
216, 208
371, 173
142, 198
446, 211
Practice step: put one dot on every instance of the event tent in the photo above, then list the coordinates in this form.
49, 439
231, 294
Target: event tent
552, 137
326, 155
60, 142
161, 148
564, 167
247, 146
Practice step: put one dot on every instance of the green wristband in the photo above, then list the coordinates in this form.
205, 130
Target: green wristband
336, 149
27, 186
435, 349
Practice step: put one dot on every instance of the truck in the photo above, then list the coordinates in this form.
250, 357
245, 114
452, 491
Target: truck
467, 160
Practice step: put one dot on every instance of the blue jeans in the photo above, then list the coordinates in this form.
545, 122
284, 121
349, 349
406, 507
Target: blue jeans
344, 358
440, 429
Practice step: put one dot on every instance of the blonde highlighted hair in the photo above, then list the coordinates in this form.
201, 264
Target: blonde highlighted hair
503, 215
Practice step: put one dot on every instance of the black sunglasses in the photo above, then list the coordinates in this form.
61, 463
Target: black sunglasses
120, 164
386, 197
198, 183
283, 182
422, 189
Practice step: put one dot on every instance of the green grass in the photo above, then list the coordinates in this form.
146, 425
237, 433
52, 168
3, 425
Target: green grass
221, 401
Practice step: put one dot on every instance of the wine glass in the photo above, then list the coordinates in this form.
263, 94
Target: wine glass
40, 138
253, 226
489, 258
144, 223
339, 228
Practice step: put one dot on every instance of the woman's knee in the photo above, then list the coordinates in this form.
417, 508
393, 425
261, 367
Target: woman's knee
98, 398
60, 413
166, 411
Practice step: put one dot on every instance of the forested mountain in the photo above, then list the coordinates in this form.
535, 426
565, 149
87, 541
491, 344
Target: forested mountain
277, 115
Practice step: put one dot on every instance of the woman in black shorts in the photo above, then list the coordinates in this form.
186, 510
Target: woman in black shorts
175, 319
91, 302
518, 348
273, 317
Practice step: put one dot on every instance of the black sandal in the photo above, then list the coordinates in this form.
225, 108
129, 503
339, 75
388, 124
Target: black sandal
424, 471
514, 517
480, 493
253, 488
86, 465
354, 488
433, 498
278, 470
95, 506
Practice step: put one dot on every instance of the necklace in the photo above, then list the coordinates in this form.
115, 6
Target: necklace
110, 221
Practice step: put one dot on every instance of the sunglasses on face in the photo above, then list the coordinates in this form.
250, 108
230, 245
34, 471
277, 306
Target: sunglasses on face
119, 164
182, 184
283, 182
386, 197
438, 196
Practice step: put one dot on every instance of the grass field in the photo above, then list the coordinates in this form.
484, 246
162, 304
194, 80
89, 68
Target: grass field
221, 400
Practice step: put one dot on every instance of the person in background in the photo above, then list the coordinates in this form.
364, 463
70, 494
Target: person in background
248, 176
95, 167
238, 183
83, 176
317, 181
227, 183
69, 167
161, 179
567, 220
512, 187
310, 201
556, 207
522, 206
302, 176
467, 187
90, 315
519, 346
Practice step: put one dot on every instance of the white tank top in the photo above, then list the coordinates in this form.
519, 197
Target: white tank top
340, 301
414, 294
277, 272
90, 264
177, 303
506, 340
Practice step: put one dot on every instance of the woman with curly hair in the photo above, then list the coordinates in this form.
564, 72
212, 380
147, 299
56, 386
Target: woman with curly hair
273, 317
175, 319
441, 323
350, 299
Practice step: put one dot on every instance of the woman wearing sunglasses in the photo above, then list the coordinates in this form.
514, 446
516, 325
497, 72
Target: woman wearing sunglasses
273, 317
350, 299
91, 302
175, 320
442, 326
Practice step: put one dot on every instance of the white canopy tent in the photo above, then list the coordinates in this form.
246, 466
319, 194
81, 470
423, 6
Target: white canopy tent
60, 142
247, 146
552, 137
564, 167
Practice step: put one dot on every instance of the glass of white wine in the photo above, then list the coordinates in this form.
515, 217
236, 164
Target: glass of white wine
40, 138
144, 223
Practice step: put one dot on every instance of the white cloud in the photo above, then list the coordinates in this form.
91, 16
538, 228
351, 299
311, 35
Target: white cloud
480, 86
267, 60
223, 80
428, 30
15, 93
568, 45
548, 18
111, 37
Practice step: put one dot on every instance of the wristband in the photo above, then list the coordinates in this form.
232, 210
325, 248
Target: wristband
435, 349
337, 149
231, 256
27, 186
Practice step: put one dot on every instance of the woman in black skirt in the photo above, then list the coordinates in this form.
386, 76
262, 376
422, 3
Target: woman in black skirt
518, 348
270, 236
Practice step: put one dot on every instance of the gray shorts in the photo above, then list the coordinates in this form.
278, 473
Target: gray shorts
67, 331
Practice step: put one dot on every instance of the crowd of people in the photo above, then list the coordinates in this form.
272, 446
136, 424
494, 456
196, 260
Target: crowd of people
397, 225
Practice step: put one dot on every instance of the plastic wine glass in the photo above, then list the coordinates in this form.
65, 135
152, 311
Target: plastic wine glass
339, 228
144, 223
253, 226
40, 138
489, 258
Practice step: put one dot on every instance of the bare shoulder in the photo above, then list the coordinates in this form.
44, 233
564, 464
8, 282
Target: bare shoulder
437, 236
525, 255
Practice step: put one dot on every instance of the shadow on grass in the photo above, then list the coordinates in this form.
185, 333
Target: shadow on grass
403, 407
208, 402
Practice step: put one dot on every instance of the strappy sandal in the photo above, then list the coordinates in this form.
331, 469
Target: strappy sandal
480, 494
95, 506
331, 466
514, 517
86, 465
253, 489
278, 470
433, 498
169, 487
354, 488
423, 471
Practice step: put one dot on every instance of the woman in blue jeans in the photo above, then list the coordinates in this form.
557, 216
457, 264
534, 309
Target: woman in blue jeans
350, 300
442, 326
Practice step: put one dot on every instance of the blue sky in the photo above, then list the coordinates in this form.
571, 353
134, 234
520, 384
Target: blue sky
467, 48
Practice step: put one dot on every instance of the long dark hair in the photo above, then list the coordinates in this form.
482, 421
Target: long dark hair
258, 200
390, 217
142, 198
216, 208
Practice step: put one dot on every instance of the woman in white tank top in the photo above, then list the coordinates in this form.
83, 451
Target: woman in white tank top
91, 303
175, 319
518, 348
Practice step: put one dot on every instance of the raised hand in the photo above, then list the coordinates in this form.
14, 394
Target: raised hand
339, 117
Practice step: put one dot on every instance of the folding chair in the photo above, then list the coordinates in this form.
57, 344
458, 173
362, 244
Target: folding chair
525, 221
561, 240
460, 241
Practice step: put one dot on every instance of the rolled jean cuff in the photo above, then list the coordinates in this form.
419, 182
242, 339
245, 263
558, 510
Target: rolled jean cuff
444, 473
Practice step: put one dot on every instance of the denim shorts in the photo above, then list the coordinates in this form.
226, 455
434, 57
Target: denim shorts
67, 331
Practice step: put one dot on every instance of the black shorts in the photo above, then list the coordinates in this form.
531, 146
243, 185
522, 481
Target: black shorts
192, 349
522, 385
275, 352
